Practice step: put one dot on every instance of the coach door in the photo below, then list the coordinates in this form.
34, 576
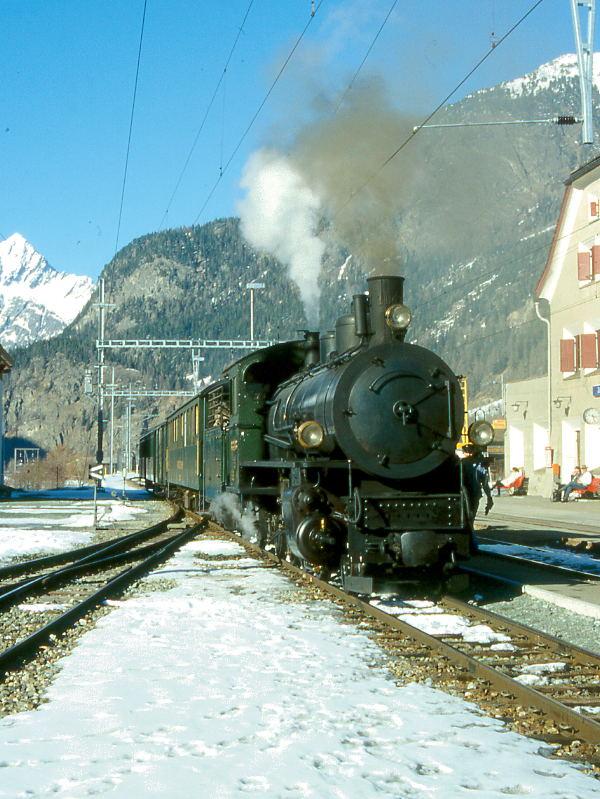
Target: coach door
218, 413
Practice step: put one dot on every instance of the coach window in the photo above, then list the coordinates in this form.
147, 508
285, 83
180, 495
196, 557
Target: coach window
234, 395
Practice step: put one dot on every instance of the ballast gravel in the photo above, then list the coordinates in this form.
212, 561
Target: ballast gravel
571, 627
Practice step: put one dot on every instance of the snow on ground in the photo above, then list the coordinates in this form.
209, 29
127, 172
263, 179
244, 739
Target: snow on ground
431, 619
17, 541
39, 528
215, 688
556, 557
112, 485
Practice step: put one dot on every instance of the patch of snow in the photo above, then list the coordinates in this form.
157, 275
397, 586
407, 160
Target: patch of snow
63, 528
42, 607
216, 688
343, 267
564, 67
215, 547
537, 233
532, 679
555, 557
544, 668
591, 710
18, 541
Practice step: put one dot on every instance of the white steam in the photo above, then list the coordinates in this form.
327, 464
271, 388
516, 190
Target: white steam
280, 213
225, 509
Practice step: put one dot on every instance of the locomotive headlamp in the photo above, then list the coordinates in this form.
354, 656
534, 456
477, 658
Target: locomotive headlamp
481, 433
310, 435
398, 316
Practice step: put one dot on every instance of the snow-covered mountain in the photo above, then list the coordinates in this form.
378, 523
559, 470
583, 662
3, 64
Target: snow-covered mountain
551, 77
36, 301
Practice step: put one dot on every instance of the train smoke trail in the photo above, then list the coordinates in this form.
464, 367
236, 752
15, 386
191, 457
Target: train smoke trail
296, 205
280, 213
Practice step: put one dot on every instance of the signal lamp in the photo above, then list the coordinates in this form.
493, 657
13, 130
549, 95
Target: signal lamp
481, 433
310, 435
397, 316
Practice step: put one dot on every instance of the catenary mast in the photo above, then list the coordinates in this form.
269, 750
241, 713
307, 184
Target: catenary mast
585, 60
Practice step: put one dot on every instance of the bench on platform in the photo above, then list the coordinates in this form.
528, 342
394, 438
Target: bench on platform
517, 489
589, 492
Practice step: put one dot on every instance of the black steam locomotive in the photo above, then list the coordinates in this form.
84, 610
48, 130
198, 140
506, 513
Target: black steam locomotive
341, 447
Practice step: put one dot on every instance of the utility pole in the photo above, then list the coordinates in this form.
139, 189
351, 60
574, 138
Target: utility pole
585, 60
101, 323
101, 305
128, 439
197, 359
253, 287
112, 419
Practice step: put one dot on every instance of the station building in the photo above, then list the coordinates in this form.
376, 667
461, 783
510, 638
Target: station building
553, 422
5, 366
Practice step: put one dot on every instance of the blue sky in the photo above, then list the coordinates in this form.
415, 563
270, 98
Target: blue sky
68, 69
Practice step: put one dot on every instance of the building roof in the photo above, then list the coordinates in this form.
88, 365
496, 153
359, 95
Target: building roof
583, 175
583, 170
5, 361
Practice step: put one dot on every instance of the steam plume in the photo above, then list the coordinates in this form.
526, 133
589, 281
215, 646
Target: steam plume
331, 188
280, 213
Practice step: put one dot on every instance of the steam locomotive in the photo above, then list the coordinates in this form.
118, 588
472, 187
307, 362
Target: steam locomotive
342, 448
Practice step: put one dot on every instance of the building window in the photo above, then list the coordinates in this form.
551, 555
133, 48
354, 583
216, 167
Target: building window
596, 260
584, 265
594, 209
588, 348
516, 445
540, 442
568, 355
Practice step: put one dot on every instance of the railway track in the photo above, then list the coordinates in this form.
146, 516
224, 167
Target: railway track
559, 526
65, 594
546, 687
523, 568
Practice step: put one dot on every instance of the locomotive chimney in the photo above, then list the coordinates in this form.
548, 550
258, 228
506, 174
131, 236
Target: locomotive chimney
311, 348
388, 315
360, 307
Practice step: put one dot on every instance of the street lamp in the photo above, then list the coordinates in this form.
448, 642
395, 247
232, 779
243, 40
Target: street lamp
253, 286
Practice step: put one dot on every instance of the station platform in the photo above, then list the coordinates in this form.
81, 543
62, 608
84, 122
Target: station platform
536, 521
531, 520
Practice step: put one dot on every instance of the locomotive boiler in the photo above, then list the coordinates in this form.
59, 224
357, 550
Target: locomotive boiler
342, 447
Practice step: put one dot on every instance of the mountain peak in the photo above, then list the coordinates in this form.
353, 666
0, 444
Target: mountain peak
563, 67
36, 301
19, 259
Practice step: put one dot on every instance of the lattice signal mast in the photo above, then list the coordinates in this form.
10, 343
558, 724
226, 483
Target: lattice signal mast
195, 345
585, 60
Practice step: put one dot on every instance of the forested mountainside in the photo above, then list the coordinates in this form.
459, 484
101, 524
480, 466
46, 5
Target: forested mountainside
471, 247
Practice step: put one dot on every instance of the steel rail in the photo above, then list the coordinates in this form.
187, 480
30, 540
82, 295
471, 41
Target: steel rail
547, 524
527, 563
588, 729
517, 628
16, 654
59, 577
14, 569
584, 728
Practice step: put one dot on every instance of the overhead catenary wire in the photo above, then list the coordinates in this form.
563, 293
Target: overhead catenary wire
437, 108
348, 88
501, 331
542, 247
133, 100
207, 111
259, 109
